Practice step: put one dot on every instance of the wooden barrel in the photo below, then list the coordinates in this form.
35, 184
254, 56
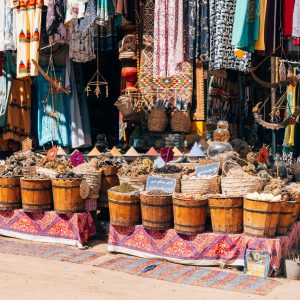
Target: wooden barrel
285, 217
10, 193
189, 213
66, 195
124, 208
109, 180
157, 211
261, 217
226, 213
36, 194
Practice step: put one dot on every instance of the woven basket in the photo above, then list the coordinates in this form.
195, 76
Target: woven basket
176, 176
157, 120
27, 171
201, 186
181, 121
93, 179
124, 105
47, 172
137, 182
240, 186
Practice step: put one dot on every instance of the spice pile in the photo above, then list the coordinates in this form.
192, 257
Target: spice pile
37, 176
264, 197
136, 168
69, 175
109, 160
124, 188
157, 193
168, 169
57, 164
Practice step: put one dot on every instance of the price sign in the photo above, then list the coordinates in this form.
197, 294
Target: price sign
167, 185
208, 170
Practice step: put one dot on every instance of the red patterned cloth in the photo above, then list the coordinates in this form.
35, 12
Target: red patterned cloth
202, 249
72, 229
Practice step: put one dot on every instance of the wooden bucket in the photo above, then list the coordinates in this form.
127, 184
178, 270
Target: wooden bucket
261, 217
176, 176
285, 217
36, 194
189, 213
109, 180
124, 208
226, 213
157, 211
10, 193
66, 195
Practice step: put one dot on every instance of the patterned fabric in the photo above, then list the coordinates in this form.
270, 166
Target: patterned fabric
28, 27
221, 25
55, 16
202, 249
89, 17
72, 229
75, 9
7, 27
198, 30
149, 17
168, 37
18, 123
296, 19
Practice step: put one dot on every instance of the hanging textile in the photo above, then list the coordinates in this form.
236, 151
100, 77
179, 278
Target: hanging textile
7, 27
296, 19
18, 123
168, 37
287, 11
108, 36
81, 45
55, 16
89, 16
50, 129
28, 27
8, 69
198, 29
75, 9
246, 24
260, 43
221, 26
105, 10
289, 135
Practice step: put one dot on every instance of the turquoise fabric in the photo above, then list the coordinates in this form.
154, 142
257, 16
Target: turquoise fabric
49, 129
105, 9
246, 24
8, 69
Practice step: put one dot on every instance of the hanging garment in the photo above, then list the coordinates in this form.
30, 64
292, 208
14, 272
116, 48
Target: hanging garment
8, 68
246, 25
75, 9
168, 37
221, 25
7, 27
50, 129
260, 43
55, 16
287, 12
108, 36
81, 45
198, 30
89, 17
28, 26
296, 19
18, 123
105, 10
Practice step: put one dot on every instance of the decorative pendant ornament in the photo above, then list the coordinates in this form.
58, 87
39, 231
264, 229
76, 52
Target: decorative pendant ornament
77, 158
52, 153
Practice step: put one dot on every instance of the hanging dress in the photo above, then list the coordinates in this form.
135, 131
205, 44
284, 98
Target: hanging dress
168, 37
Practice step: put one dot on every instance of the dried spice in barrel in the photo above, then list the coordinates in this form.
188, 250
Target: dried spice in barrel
124, 188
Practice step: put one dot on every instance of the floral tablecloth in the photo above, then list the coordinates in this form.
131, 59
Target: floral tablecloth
207, 249
71, 229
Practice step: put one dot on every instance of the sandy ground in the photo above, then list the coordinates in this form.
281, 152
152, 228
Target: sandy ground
30, 278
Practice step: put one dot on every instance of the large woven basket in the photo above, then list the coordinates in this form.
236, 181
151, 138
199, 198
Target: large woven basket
201, 185
124, 105
181, 121
241, 186
93, 179
157, 120
137, 182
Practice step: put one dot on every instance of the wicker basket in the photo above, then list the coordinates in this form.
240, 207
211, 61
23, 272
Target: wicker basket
137, 182
124, 105
240, 186
157, 120
201, 185
93, 179
181, 121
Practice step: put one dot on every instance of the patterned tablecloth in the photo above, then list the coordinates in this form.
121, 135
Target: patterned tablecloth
205, 249
71, 229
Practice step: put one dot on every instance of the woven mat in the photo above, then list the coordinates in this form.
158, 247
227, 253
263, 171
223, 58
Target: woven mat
161, 270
